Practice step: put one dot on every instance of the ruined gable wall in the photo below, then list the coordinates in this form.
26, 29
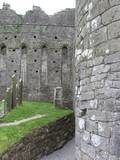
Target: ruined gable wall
65, 17
34, 52
97, 80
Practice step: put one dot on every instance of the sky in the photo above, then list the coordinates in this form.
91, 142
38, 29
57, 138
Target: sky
49, 6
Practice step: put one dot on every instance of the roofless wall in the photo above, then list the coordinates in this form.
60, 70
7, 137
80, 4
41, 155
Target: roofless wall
31, 46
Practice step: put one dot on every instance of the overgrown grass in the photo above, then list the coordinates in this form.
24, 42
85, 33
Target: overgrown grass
10, 135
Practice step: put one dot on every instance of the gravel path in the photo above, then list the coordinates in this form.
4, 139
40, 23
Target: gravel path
66, 153
21, 121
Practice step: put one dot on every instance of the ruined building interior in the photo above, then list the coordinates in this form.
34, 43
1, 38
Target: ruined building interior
39, 49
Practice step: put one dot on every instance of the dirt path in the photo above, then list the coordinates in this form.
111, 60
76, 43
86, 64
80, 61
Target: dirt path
21, 121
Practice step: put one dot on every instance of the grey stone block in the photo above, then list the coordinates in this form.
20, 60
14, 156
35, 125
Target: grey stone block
98, 37
114, 30
88, 149
112, 58
115, 141
87, 96
113, 3
111, 15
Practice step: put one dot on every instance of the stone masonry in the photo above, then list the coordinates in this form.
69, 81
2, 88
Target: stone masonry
42, 141
97, 79
39, 49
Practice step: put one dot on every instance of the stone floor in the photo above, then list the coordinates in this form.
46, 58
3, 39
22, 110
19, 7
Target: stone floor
66, 153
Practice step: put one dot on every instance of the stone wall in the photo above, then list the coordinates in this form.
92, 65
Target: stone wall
40, 49
42, 141
97, 80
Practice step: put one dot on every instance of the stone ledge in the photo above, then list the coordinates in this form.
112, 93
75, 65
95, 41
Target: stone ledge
42, 141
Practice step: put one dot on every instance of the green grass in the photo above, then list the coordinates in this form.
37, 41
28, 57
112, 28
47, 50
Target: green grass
10, 135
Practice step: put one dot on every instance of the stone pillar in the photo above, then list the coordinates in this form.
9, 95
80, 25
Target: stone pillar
2, 109
58, 96
97, 79
14, 91
8, 100
20, 92
17, 93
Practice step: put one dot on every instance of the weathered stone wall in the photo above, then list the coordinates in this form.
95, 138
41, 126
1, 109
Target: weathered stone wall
97, 79
43, 141
39, 49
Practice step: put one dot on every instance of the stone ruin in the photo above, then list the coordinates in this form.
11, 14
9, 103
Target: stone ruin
39, 49
13, 97
58, 97
97, 79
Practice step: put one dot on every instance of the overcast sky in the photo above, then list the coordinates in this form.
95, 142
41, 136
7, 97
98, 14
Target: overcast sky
49, 6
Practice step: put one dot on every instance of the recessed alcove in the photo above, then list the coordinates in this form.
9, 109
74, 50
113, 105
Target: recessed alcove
65, 51
23, 49
3, 49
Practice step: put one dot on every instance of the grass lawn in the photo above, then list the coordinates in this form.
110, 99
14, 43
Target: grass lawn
12, 134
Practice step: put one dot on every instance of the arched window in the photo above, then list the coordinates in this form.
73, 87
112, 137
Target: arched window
24, 63
44, 64
3, 49
23, 49
64, 66
65, 51
3, 67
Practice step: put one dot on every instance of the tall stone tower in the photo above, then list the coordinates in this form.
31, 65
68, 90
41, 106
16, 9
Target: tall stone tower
97, 79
